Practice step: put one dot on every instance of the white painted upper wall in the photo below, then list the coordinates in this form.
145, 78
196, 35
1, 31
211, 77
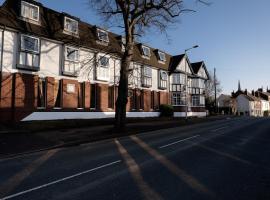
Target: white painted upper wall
184, 65
202, 73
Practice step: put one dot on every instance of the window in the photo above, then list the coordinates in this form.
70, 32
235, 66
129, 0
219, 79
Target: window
102, 71
178, 99
137, 100
163, 77
178, 78
103, 61
41, 101
71, 65
161, 56
29, 52
72, 54
155, 102
202, 100
103, 35
29, 11
147, 76
111, 97
146, 51
71, 25
195, 100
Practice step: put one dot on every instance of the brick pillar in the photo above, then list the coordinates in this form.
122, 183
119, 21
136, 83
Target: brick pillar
164, 98
50, 92
87, 93
102, 97
25, 102
147, 100
6, 97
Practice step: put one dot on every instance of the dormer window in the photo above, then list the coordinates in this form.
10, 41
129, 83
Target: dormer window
146, 51
161, 56
29, 11
71, 26
102, 35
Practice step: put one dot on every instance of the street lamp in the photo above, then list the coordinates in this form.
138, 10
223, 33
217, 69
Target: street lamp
186, 80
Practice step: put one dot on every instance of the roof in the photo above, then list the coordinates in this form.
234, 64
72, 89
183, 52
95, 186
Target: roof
51, 27
197, 66
175, 60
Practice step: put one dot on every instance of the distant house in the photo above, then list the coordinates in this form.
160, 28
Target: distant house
265, 100
247, 104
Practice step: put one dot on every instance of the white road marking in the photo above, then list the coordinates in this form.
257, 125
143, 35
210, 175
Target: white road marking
59, 180
178, 141
218, 129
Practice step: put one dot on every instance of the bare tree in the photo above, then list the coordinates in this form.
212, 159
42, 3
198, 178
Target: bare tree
135, 17
210, 89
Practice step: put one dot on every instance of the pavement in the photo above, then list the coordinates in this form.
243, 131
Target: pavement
224, 159
38, 136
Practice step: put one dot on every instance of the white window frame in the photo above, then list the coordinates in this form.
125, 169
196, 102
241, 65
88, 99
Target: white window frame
104, 57
163, 82
176, 99
78, 55
144, 53
102, 70
147, 77
31, 5
160, 57
31, 51
101, 39
73, 20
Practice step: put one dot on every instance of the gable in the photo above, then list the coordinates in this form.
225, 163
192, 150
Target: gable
202, 73
184, 64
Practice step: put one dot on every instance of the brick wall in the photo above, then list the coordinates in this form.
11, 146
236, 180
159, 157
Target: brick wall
69, 98
164, 98
102, 97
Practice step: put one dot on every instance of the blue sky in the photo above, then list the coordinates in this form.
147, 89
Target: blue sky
234, 37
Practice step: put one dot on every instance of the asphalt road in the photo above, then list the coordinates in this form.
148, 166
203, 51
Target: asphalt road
227, 159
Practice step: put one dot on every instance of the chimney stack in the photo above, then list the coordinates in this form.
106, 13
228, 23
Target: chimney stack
245, 92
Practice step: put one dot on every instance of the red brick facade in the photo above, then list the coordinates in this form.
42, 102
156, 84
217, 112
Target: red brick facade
19, 97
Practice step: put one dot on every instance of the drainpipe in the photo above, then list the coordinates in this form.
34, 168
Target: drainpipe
1, 64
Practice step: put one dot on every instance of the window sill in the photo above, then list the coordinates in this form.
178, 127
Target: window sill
102, 43
26, 67
75, 74
41, 108
32, 21
71, 33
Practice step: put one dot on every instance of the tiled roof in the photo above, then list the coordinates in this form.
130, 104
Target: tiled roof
51, 27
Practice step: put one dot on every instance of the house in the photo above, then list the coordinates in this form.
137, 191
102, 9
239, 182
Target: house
55, 66
247, 104
265, 100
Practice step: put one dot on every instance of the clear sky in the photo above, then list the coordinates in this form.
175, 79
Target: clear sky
233, 35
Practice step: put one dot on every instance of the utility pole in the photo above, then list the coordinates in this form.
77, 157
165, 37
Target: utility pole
215, 85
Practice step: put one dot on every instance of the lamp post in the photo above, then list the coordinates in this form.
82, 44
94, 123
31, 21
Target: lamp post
186, 82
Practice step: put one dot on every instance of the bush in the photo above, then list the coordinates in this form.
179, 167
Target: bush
166, 110
266, 113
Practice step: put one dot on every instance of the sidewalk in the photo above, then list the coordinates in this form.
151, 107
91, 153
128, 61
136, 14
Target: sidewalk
17, 142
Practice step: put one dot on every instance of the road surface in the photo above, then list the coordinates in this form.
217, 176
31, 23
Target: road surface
227, 159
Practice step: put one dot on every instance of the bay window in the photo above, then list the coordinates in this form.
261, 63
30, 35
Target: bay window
72, 64
178, 99
163, 78
29, 53
102, 71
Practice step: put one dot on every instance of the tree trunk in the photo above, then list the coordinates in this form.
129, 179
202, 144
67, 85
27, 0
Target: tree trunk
122, 99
